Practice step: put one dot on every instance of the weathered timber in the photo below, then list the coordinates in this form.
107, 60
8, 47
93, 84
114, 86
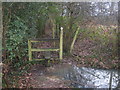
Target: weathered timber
74, 39
39, 40
45, 49
39, 59
29, 50
47, 55
61, 44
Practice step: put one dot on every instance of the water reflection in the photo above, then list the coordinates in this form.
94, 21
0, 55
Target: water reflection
81, 77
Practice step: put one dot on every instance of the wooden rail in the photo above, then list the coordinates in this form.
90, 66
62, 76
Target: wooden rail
46, 49
44, 39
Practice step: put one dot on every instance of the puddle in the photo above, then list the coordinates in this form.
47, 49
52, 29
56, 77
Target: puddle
81, 77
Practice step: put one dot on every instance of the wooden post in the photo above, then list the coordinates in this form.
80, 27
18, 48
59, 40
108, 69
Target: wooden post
73, 42
53, 33
29, 50
61, 43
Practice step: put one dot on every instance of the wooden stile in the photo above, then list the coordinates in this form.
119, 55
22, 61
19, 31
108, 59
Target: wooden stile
60, 49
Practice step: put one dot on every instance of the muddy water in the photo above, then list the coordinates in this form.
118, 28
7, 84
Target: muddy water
81, 77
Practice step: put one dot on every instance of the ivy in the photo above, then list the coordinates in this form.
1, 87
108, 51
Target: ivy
16, 42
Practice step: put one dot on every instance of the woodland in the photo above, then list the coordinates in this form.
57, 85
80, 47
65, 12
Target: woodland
90, 38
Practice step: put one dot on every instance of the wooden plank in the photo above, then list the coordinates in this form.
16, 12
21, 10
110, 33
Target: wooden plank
39, 59
46, 49
39, 40
29, 50
61, 43
47, 55
45, 59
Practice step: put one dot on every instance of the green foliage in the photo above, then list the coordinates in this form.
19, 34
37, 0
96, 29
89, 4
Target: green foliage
22, 26
103, 36
16, 43
22, 21
40, 26
28, 20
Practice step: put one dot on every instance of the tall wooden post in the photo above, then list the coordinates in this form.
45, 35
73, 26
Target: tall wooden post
29, 50
61, 43
53, 33
73, 42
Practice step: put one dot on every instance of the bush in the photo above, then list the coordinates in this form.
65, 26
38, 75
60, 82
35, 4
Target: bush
16, 42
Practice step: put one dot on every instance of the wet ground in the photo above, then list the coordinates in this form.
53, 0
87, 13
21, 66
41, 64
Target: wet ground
42, 78
72, 76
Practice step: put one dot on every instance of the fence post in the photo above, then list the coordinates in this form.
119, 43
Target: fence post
53, 33
29, 50
74, 39
61, 43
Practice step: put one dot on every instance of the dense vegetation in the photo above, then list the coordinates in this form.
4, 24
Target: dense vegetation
22, 21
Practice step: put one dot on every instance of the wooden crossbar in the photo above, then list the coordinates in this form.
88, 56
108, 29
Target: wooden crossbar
46, 49
39, 40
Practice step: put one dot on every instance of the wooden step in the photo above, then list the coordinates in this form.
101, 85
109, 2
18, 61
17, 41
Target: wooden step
46, 49
38, 59
44, 39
